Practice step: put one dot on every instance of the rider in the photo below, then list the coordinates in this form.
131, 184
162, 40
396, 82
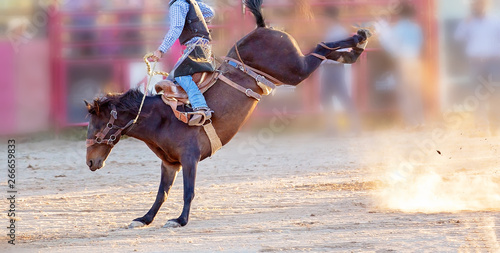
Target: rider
188, 23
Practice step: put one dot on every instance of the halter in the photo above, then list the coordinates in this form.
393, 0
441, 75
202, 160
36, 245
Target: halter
100, 137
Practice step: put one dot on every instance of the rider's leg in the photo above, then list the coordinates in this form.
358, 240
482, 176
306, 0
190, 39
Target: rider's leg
195, 97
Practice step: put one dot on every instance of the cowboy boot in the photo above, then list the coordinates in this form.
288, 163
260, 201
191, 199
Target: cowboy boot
200, 116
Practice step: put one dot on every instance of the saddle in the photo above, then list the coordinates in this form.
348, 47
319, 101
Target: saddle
173, 91
174, 96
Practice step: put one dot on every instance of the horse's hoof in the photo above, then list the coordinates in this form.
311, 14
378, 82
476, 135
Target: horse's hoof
136, 224
365, 33
172, 224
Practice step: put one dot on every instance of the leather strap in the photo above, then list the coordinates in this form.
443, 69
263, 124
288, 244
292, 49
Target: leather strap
253, 69
247, 69
185, 117
100, 137
172, 102
113, 116
265, 85
321, 57
215, 142
248, 92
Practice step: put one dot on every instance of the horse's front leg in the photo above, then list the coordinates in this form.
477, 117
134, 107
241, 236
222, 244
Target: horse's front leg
168, 175
189, 175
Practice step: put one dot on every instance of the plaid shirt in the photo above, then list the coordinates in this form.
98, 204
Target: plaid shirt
178, 12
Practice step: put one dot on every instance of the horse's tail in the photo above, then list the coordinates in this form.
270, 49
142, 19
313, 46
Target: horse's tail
255, 7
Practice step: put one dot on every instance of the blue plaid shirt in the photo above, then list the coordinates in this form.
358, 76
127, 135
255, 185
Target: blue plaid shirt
178, 12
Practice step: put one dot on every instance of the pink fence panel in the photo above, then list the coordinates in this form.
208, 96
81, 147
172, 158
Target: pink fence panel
7, 89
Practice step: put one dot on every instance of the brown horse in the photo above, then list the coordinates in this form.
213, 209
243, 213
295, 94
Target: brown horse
179, 145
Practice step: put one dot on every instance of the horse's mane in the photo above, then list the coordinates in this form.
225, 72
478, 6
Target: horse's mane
128, 101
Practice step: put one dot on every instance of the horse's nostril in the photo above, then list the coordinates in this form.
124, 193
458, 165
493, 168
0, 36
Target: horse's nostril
89, 163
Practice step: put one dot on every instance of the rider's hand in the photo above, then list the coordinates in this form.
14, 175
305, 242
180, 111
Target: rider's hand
156, 56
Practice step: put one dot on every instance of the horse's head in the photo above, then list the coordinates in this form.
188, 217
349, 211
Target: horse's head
110, 117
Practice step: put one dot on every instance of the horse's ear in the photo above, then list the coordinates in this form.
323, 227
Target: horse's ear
90, 108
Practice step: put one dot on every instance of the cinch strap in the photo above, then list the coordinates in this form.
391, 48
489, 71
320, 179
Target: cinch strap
215, 142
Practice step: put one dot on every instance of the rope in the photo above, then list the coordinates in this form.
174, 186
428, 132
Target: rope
151, 73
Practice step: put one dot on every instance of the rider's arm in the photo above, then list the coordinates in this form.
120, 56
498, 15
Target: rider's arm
178, 12
208, 12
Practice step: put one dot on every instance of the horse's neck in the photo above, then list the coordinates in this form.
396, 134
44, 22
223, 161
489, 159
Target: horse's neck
141, 130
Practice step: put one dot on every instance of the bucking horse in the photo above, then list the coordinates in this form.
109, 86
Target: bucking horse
264, 56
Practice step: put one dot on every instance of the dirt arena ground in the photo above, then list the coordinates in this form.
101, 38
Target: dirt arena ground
429, 191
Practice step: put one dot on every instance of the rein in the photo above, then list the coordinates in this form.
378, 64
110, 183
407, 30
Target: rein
100, 137
151, 72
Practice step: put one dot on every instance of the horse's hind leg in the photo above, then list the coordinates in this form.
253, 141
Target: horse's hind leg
351, 42
189, 176
168, 175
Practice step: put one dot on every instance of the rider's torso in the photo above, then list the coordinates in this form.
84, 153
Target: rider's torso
195, 25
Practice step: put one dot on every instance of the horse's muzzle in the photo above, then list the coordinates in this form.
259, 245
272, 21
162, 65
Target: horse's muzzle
95, 164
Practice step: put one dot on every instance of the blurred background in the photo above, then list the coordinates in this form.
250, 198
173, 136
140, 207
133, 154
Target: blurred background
427, 58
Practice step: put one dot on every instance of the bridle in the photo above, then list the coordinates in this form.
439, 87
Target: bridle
100, 137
